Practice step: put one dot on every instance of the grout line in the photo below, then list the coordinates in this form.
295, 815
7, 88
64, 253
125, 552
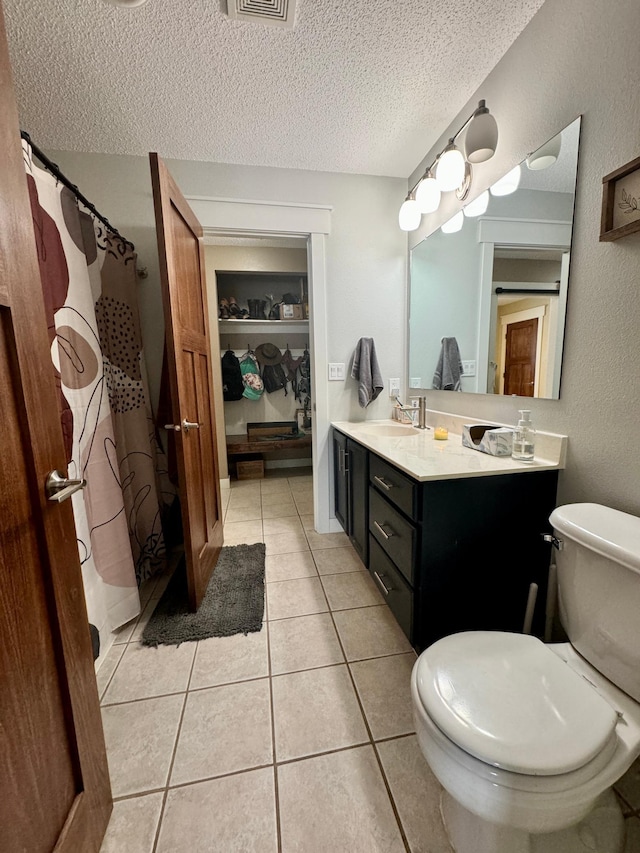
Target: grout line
173, 755
273, 738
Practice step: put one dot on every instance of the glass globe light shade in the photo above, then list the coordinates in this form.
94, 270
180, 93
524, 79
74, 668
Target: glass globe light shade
409, 215
546, 155
454, 224
509, 183
428, 195
481, 139
450, 169
478, 206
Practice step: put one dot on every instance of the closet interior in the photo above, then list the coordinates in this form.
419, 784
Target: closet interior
262, 303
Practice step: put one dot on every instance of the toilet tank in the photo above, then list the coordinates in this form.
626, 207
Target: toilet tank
599, 588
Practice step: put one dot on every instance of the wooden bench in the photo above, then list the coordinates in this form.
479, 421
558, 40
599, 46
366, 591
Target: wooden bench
239, 446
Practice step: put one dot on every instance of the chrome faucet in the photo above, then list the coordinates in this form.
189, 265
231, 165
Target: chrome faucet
421, 409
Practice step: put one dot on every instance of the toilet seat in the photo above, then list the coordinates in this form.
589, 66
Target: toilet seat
510, 702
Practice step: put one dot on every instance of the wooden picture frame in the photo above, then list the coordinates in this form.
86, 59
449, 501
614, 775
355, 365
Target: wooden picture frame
621, 202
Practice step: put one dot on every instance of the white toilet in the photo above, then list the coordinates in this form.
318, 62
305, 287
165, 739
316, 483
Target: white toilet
526, 738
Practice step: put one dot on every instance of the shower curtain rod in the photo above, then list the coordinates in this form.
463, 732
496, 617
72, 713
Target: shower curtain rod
55, 171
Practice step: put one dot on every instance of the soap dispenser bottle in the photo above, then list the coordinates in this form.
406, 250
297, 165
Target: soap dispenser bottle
524, 438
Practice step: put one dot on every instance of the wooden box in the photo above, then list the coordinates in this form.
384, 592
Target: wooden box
290, 312
250, 469
256, 430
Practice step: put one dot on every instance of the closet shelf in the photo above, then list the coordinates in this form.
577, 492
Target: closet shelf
261, 327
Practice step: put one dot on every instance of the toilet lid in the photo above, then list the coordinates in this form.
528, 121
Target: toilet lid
511, 702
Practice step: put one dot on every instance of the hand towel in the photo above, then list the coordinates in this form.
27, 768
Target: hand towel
449, 368
367, 371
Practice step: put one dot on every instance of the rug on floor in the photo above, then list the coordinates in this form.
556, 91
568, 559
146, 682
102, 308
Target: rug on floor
232, 604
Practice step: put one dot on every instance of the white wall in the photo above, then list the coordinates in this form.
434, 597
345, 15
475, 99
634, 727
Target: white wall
366, 252
576, 57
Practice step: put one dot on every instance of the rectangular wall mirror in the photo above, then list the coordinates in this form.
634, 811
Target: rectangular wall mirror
499, 284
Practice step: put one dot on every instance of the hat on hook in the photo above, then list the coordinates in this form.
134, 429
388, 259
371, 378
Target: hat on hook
268, 354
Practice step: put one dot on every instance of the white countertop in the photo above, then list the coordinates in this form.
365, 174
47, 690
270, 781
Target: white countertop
420, 455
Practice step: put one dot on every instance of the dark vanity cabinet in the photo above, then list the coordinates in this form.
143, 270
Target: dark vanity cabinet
457, 554
351, 478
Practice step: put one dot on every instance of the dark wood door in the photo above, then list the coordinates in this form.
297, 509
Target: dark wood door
358, 464
54, 780
340, 480
520, 358
188, 352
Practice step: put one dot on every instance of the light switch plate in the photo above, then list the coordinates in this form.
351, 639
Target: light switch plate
336, 372
469, 368
415, 382
394, 388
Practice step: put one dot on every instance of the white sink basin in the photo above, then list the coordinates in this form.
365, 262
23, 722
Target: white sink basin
394, 430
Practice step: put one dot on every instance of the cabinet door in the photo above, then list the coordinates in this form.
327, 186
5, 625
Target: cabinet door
358, 476
340, 479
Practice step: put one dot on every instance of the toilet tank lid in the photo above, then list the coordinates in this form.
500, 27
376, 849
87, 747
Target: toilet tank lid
508, 700
609, 532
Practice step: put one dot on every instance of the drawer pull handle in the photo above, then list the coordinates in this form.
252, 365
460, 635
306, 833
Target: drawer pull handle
386, 589
383, 482
383, 531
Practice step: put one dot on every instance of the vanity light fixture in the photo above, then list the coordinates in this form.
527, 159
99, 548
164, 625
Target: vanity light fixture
546, 155
126, 4
428, 193
478, 206
454, 224
409, 214
509, 183
451, 168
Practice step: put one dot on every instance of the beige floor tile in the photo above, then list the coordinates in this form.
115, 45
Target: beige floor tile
223, 660
315, 711
285, 543
319, 541
243, 513
304, 506
332, 561
224, 729
353, 589
133, 825
307, 520
274, 507
342, 799
140, 737
282, 526
416, 793
145, 672
370, 632
298, 480
384, 687
248, 496
141, 624
304, 642
124, 633
283, 567
108, 667
275, 486
243, 532
232, 815
299, 597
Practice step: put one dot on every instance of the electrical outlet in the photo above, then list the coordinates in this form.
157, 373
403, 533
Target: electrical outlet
336, 372
394, 388
469, 368
415, 382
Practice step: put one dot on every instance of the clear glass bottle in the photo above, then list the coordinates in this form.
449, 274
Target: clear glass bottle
524, 438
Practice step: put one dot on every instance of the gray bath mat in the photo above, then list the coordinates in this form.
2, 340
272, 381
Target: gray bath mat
233, 602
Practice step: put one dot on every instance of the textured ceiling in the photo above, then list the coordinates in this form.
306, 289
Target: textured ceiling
361, 86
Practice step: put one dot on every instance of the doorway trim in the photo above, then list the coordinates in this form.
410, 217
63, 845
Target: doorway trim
246, 218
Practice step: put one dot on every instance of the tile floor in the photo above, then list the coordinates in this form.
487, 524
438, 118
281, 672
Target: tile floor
298, 738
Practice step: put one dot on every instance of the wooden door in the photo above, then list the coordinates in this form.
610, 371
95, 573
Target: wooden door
520, 358
54, 779
190, 380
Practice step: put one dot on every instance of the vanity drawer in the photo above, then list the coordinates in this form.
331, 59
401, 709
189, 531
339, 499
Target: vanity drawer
394, 534
396, 591
396, 487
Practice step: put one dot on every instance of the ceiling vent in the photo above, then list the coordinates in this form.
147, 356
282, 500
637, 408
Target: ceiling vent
277, 13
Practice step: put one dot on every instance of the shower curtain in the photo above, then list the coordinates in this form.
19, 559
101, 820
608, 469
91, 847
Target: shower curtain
89, 279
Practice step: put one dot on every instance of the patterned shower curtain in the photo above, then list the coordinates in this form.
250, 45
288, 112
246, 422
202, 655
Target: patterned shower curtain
89, 280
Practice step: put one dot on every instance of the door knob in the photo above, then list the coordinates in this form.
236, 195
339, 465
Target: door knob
175, 427
187, 425
58, 488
